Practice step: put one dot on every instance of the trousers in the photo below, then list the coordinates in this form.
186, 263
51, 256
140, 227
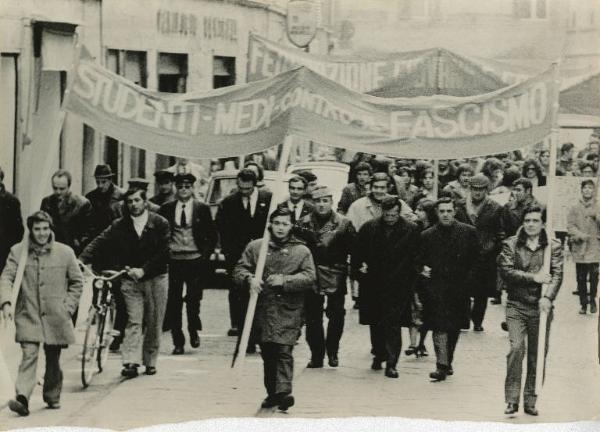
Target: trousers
53, 377
583, 270
317, 340
386, 341
191, 273
278, 364
444, 344
523, 322
146, 303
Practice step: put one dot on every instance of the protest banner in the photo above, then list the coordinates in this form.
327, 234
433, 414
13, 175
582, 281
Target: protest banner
259, 115
407, 74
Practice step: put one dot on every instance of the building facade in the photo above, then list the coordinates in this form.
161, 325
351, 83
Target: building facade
162, 45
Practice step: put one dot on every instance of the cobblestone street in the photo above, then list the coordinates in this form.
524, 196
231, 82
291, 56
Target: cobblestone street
200, 384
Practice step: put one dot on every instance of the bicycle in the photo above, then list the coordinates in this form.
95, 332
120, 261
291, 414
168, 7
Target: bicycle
100, 325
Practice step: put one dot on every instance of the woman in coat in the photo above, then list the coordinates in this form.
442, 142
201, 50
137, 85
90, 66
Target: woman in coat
49, 295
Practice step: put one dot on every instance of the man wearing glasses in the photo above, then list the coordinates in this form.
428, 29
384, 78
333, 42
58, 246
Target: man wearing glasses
193, 238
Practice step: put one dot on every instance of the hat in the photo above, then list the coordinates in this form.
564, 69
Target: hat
480, 181
138, 183
183, 178
320, 192
103, 171
307, 175
163, 176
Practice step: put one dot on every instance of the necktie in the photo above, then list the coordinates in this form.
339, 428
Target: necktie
294, 206
248, 209
182, 221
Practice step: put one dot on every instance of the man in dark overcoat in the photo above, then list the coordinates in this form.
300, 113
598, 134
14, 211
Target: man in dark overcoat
289, 272
384, 262
483, 213
102, 199
448, 252
11, 227
241, 217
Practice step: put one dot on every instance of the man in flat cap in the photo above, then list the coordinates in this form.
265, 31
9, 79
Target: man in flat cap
166, 191
192, 239
103, 198
484, 214
330, 237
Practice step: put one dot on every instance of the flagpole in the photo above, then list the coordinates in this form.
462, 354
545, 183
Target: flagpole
436, 181
240, 355
35, 197
551, 182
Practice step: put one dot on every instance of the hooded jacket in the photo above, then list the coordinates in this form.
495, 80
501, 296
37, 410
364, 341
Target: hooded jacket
278, 316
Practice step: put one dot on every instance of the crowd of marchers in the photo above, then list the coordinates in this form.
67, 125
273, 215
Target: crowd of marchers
410, 255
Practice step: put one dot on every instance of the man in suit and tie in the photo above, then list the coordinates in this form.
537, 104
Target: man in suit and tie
296, 203
241, 217
192, 240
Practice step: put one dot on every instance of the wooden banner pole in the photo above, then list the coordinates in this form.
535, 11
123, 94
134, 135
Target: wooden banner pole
551, 182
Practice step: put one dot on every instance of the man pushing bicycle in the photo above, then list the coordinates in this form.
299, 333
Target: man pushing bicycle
138, 242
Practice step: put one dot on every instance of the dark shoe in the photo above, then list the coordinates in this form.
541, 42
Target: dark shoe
315, 364
478, 328
575, 293
251, 349
333, 360
504, 326
511, 408
129, 370
530, 410
115, 345
583, 310
376, 365
496, 301
233, 332
411, 350
194, 339
285, 401
450, 371
593, 308
438, 375
422, 351
150, 370
356, 307
178, 350
270, 402
19, 405
53, 405
391, 372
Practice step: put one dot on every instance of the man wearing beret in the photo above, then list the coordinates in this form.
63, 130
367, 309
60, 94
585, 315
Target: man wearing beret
106, 195
166, 190
483, 213
193, 238
330, 237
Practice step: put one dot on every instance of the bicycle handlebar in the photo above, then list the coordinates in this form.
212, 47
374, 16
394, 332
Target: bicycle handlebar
113, 274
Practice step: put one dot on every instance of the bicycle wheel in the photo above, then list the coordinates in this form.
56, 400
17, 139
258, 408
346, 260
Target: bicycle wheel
90, 347
106, 336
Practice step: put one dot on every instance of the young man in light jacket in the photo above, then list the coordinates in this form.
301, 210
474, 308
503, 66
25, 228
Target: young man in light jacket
49, 296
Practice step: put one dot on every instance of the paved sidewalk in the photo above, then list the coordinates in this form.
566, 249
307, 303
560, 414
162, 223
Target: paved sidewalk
200, 384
